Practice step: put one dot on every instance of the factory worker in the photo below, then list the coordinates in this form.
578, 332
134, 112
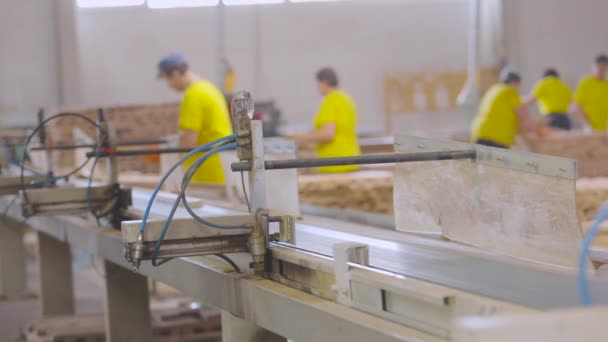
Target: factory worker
591, 97
502, 115
335, 127
203, 116
554, 98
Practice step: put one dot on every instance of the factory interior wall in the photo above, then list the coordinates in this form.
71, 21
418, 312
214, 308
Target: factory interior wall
108, 56
276, 50
543, 33
29, 75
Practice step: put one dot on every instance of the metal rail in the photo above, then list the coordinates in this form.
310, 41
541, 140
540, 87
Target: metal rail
387, 158
75, 146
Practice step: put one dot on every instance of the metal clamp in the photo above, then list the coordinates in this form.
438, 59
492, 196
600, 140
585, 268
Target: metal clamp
345, 253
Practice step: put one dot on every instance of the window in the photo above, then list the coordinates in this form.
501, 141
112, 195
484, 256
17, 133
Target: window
108, 3
313, 0
181, 3
251, 2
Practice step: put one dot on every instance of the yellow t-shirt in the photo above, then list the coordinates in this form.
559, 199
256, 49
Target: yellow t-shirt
204, 110
497, 120
592, 95
553, 96
339, 108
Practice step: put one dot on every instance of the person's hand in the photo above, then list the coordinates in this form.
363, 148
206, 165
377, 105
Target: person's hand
543, 132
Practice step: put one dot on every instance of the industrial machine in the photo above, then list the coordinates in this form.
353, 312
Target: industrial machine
313, 279
427, 296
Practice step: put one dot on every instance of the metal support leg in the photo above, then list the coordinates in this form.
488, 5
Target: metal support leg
12, 260
235, 329
56, 286
127, 305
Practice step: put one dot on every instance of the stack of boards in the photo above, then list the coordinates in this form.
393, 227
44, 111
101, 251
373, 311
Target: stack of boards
369, 191
589, 150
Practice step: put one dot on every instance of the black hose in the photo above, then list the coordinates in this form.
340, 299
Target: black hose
31, 136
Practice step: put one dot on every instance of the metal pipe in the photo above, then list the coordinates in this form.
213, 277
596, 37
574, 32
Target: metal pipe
124, 143
134, 153
359, 160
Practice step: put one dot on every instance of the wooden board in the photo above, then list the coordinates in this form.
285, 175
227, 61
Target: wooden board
590, 150
370, 191
591, 194
524, 215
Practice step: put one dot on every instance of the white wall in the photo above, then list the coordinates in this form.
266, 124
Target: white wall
564, 34
119, 49
28, 60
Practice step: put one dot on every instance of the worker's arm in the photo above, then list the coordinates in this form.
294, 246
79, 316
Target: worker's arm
188, 138
578, 111
530, 100
325, 134
527, 123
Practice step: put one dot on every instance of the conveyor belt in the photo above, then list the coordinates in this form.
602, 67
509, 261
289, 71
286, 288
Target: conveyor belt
444, 263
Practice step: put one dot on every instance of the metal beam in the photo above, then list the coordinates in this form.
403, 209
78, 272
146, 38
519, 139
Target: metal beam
56, 285
285, 311
127, 308
12, 259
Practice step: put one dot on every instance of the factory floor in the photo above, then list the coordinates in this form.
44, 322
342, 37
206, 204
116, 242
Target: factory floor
16, 313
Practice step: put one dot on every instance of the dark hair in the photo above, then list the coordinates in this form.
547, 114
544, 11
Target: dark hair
510, 77
551, 73
601, 59
328, 76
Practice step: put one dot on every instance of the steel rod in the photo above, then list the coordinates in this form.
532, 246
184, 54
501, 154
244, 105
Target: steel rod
133, 153
359, 160
123, 143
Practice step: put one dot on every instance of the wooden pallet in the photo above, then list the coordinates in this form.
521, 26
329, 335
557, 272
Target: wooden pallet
175, 325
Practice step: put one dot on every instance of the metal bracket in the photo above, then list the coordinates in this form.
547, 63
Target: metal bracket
11, 185
186, 237
345, 253
74, 200
496, 157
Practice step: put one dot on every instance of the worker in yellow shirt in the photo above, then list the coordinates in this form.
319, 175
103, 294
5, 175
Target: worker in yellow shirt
591, 97
203, 116
554, 98
502, 115
335, 133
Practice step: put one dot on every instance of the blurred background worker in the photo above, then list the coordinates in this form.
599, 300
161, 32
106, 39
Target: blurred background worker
203, 114
592, 95
335, 132
502, 115
554, 98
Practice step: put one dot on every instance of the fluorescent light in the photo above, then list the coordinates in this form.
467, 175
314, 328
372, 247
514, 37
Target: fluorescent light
251, 2
108, 3
181, 3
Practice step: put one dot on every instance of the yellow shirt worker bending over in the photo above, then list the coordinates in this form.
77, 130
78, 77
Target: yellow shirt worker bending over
502, 115
203, 116
335, 130
554, 98
592, 95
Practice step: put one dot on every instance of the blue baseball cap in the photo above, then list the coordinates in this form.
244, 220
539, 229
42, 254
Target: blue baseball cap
171, 62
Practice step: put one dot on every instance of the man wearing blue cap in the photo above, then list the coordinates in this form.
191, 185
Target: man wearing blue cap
203, 117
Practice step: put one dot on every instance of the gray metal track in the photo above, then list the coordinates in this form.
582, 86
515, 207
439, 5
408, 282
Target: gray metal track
443, 263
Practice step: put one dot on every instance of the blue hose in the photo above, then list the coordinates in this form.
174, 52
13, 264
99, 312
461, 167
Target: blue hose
583, 284
197, 164
199, 149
